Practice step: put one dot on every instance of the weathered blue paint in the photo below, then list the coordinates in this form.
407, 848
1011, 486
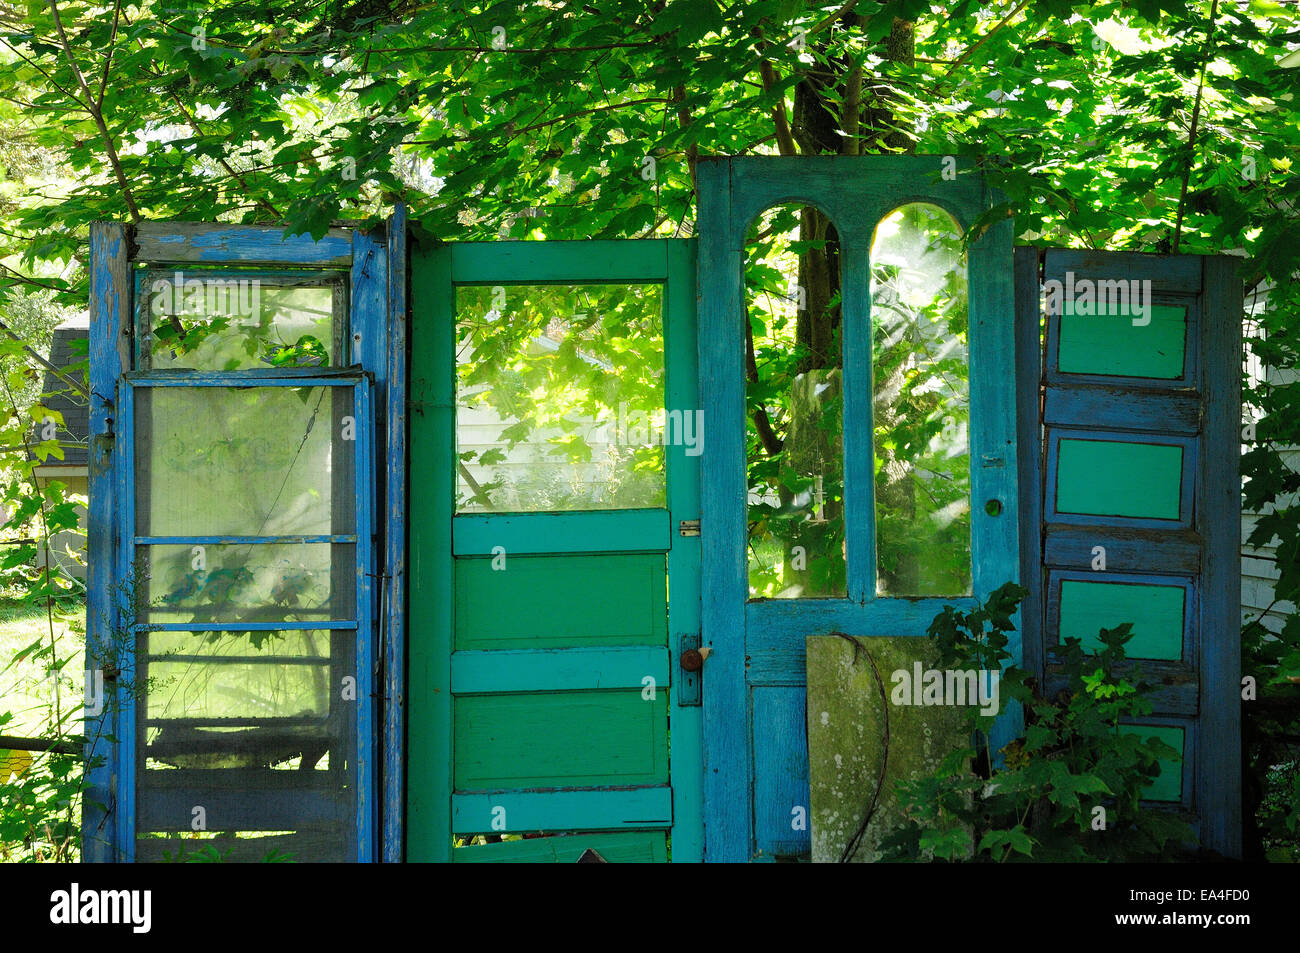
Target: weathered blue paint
1199, 550
110, 296
855, 193
257, 244
124, 560
111, 833
1029, 383
1218, 782
239, 626
395, 498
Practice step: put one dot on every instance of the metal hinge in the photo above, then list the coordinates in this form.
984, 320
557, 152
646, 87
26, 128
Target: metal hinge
689, 528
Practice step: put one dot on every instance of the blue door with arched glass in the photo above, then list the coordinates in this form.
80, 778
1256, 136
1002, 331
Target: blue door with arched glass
828, 545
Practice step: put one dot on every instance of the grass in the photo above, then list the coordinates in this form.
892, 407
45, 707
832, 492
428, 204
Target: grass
27, 690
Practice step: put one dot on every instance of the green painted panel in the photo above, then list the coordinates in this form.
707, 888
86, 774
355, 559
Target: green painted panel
569, 809
560, 739
1155, 611
1119, 478
1168, 785
559, 670
1108, 342
634, 847
610, 531
540, 602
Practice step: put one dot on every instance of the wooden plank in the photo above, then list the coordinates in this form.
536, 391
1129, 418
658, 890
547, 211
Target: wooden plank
110, 296
1158, 614
1123, 407
774, 622
575, 810
1029, 376
1175, 686
782, 808
548, 602
394, 534
1119, 478
682, 383
728, 795
432, 588
632, 847
857, 442
1168, 274
216, 243
1218, 504
560, 670
559, 262
1126, 550
601, 531
560, 739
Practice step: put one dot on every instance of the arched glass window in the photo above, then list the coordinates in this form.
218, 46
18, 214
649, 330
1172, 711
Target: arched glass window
920, 404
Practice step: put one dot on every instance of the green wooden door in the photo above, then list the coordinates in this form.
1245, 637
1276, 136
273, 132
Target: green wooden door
554, 439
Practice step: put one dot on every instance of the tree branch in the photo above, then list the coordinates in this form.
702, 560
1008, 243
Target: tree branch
1191, 136
96, 114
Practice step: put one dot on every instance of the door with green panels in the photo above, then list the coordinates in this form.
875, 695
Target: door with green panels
1141, 500
554, 437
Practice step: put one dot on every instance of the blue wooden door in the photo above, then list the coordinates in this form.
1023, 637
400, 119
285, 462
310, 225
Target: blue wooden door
554, 450
755, 748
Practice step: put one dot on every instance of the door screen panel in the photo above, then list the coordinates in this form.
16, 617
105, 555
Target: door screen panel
252, 699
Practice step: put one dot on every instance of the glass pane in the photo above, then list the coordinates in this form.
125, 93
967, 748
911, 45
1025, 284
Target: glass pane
921, 404
560, 400
795, 407
240, 676
227, 322
252, 461
246, 583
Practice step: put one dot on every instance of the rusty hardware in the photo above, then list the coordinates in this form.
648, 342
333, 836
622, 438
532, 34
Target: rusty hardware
689, 528
693, 659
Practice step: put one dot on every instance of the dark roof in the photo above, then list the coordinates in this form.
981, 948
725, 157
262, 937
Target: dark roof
57, 395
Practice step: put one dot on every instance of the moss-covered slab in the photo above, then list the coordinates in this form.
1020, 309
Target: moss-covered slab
846, 737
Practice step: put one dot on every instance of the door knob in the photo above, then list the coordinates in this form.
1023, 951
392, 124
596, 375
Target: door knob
693, 659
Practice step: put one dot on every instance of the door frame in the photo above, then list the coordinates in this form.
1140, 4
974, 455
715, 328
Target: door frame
857, 191
436, 270
375, 262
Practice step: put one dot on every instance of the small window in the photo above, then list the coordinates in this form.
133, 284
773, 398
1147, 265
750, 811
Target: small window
560, 398
794, 397
233, 321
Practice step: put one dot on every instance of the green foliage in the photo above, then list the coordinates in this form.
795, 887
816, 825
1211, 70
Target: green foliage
1123, 124
1038, 798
